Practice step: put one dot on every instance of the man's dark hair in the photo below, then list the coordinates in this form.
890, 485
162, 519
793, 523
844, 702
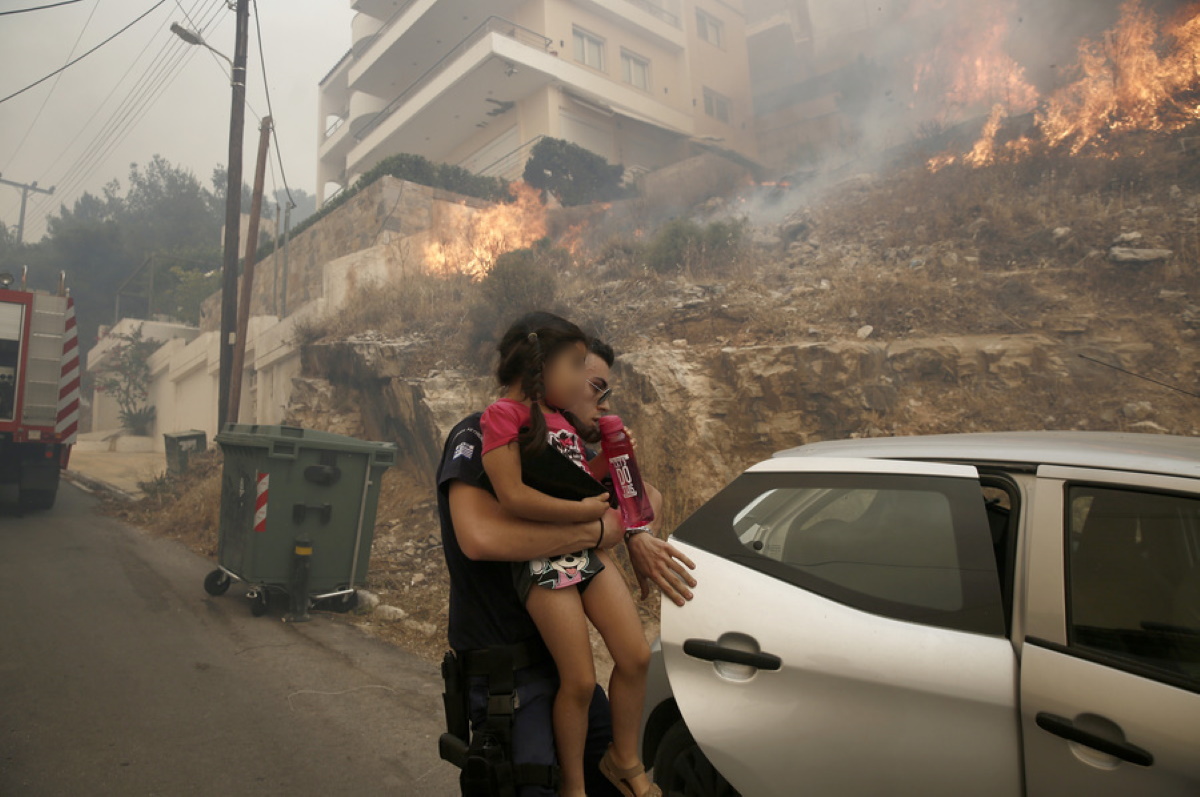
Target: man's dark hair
603, 351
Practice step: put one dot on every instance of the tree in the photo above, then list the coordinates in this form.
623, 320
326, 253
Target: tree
127, 379
575, 175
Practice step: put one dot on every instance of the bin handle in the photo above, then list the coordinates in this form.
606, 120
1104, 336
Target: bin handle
283, 450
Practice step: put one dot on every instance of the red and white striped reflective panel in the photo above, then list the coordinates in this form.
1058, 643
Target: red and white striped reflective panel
67, 423
260, 502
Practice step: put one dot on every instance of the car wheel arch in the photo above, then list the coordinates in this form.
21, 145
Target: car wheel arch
664, 715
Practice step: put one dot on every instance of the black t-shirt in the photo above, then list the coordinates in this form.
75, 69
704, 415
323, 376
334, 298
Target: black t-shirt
484, 608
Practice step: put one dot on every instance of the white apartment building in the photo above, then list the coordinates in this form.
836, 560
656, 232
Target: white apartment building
474, 83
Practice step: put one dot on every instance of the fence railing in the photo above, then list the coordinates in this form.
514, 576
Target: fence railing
490, 25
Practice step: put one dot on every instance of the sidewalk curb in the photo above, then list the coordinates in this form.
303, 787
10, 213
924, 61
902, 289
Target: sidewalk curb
96, 485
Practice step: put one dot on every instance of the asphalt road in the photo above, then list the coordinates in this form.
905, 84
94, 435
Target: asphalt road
119, 675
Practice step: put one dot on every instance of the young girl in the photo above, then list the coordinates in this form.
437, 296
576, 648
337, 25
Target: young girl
541, 369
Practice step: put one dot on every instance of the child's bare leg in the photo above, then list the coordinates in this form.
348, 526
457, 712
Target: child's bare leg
611, 609
558, 614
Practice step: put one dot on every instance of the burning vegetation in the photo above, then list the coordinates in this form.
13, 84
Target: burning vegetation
1142, 75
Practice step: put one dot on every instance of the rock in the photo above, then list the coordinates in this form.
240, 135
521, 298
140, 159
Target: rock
1169, 294
765, 239
824, 285
1119, 254
1128, 238
865, 331
1149, 427
367, 601
1061, 233
390, 613
428, 629
1175, 192
1138, 410
679, 342
916, 262
793, 230
418, 578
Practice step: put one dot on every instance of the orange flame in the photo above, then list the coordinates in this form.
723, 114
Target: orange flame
1126, 85
969, 68
1139, 76
471, 243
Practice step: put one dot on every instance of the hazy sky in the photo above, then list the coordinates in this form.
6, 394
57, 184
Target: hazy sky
182, 114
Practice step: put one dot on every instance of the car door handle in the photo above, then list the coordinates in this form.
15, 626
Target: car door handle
711, 651
1061, 726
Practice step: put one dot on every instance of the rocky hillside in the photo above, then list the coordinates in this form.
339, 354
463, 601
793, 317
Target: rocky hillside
898, 302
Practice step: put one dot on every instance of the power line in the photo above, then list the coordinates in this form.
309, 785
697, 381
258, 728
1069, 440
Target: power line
38, 8
125, 122
119, 119
131, 108
64, 67
262, 60
49, 93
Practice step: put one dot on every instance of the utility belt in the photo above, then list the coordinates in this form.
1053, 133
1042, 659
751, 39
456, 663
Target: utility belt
485, 757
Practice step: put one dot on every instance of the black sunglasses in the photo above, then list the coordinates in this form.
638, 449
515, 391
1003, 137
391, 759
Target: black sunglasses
604, 392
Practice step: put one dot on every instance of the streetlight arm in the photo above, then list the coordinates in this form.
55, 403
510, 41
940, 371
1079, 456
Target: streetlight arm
194, 38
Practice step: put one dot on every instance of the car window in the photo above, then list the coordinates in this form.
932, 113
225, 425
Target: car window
893, 544
916, 548
1134, 578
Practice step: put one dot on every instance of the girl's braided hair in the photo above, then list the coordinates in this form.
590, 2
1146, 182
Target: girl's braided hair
524, 350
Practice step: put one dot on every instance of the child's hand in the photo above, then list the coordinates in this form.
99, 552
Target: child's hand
593, 508
632, 439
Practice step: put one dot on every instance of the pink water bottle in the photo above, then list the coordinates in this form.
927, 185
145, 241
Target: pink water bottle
636, 511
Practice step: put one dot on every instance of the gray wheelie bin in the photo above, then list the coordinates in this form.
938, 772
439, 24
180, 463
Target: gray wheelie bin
297, 514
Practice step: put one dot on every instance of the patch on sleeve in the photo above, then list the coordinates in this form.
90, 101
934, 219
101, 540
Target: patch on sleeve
464, 450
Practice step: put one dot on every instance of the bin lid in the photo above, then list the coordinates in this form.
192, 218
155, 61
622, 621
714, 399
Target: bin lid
188, 433
264, 436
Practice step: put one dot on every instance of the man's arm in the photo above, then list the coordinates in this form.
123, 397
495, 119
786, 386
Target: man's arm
656, 560
488, 533
503, 466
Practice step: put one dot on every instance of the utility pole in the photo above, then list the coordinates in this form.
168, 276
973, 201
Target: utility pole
25, 189
243, 317
233, 210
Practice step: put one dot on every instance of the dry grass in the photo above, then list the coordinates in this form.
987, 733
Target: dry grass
184, 508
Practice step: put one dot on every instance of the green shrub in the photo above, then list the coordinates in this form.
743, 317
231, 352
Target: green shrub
522, 281
575, 175
683, 244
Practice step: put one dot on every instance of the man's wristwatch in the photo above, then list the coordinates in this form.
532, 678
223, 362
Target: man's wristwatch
633, 532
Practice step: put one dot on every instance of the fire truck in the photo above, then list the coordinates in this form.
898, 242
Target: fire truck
39, 388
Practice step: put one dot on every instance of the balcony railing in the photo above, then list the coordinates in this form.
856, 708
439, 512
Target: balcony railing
654, 9
508, 163
490, 25
336, 124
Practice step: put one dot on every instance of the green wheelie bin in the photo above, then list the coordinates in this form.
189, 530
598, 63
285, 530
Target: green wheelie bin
297, 514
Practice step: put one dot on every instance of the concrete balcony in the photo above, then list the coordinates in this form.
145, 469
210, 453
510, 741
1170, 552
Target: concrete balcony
414, 36
478, 82
363, 30
659, 20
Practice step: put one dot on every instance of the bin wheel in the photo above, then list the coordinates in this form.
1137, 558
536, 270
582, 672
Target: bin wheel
258, 603
217, 582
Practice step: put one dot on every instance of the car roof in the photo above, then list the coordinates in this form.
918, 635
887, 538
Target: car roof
1141, 453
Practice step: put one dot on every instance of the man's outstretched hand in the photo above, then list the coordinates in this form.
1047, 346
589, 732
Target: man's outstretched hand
658, 561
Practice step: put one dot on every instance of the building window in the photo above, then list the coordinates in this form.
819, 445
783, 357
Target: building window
716, 105
635, 70
589, 49
710, 28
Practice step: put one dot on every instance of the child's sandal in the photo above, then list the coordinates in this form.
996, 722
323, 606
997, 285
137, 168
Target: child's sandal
623, 778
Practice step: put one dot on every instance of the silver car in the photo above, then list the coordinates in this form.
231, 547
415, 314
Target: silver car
983, 614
